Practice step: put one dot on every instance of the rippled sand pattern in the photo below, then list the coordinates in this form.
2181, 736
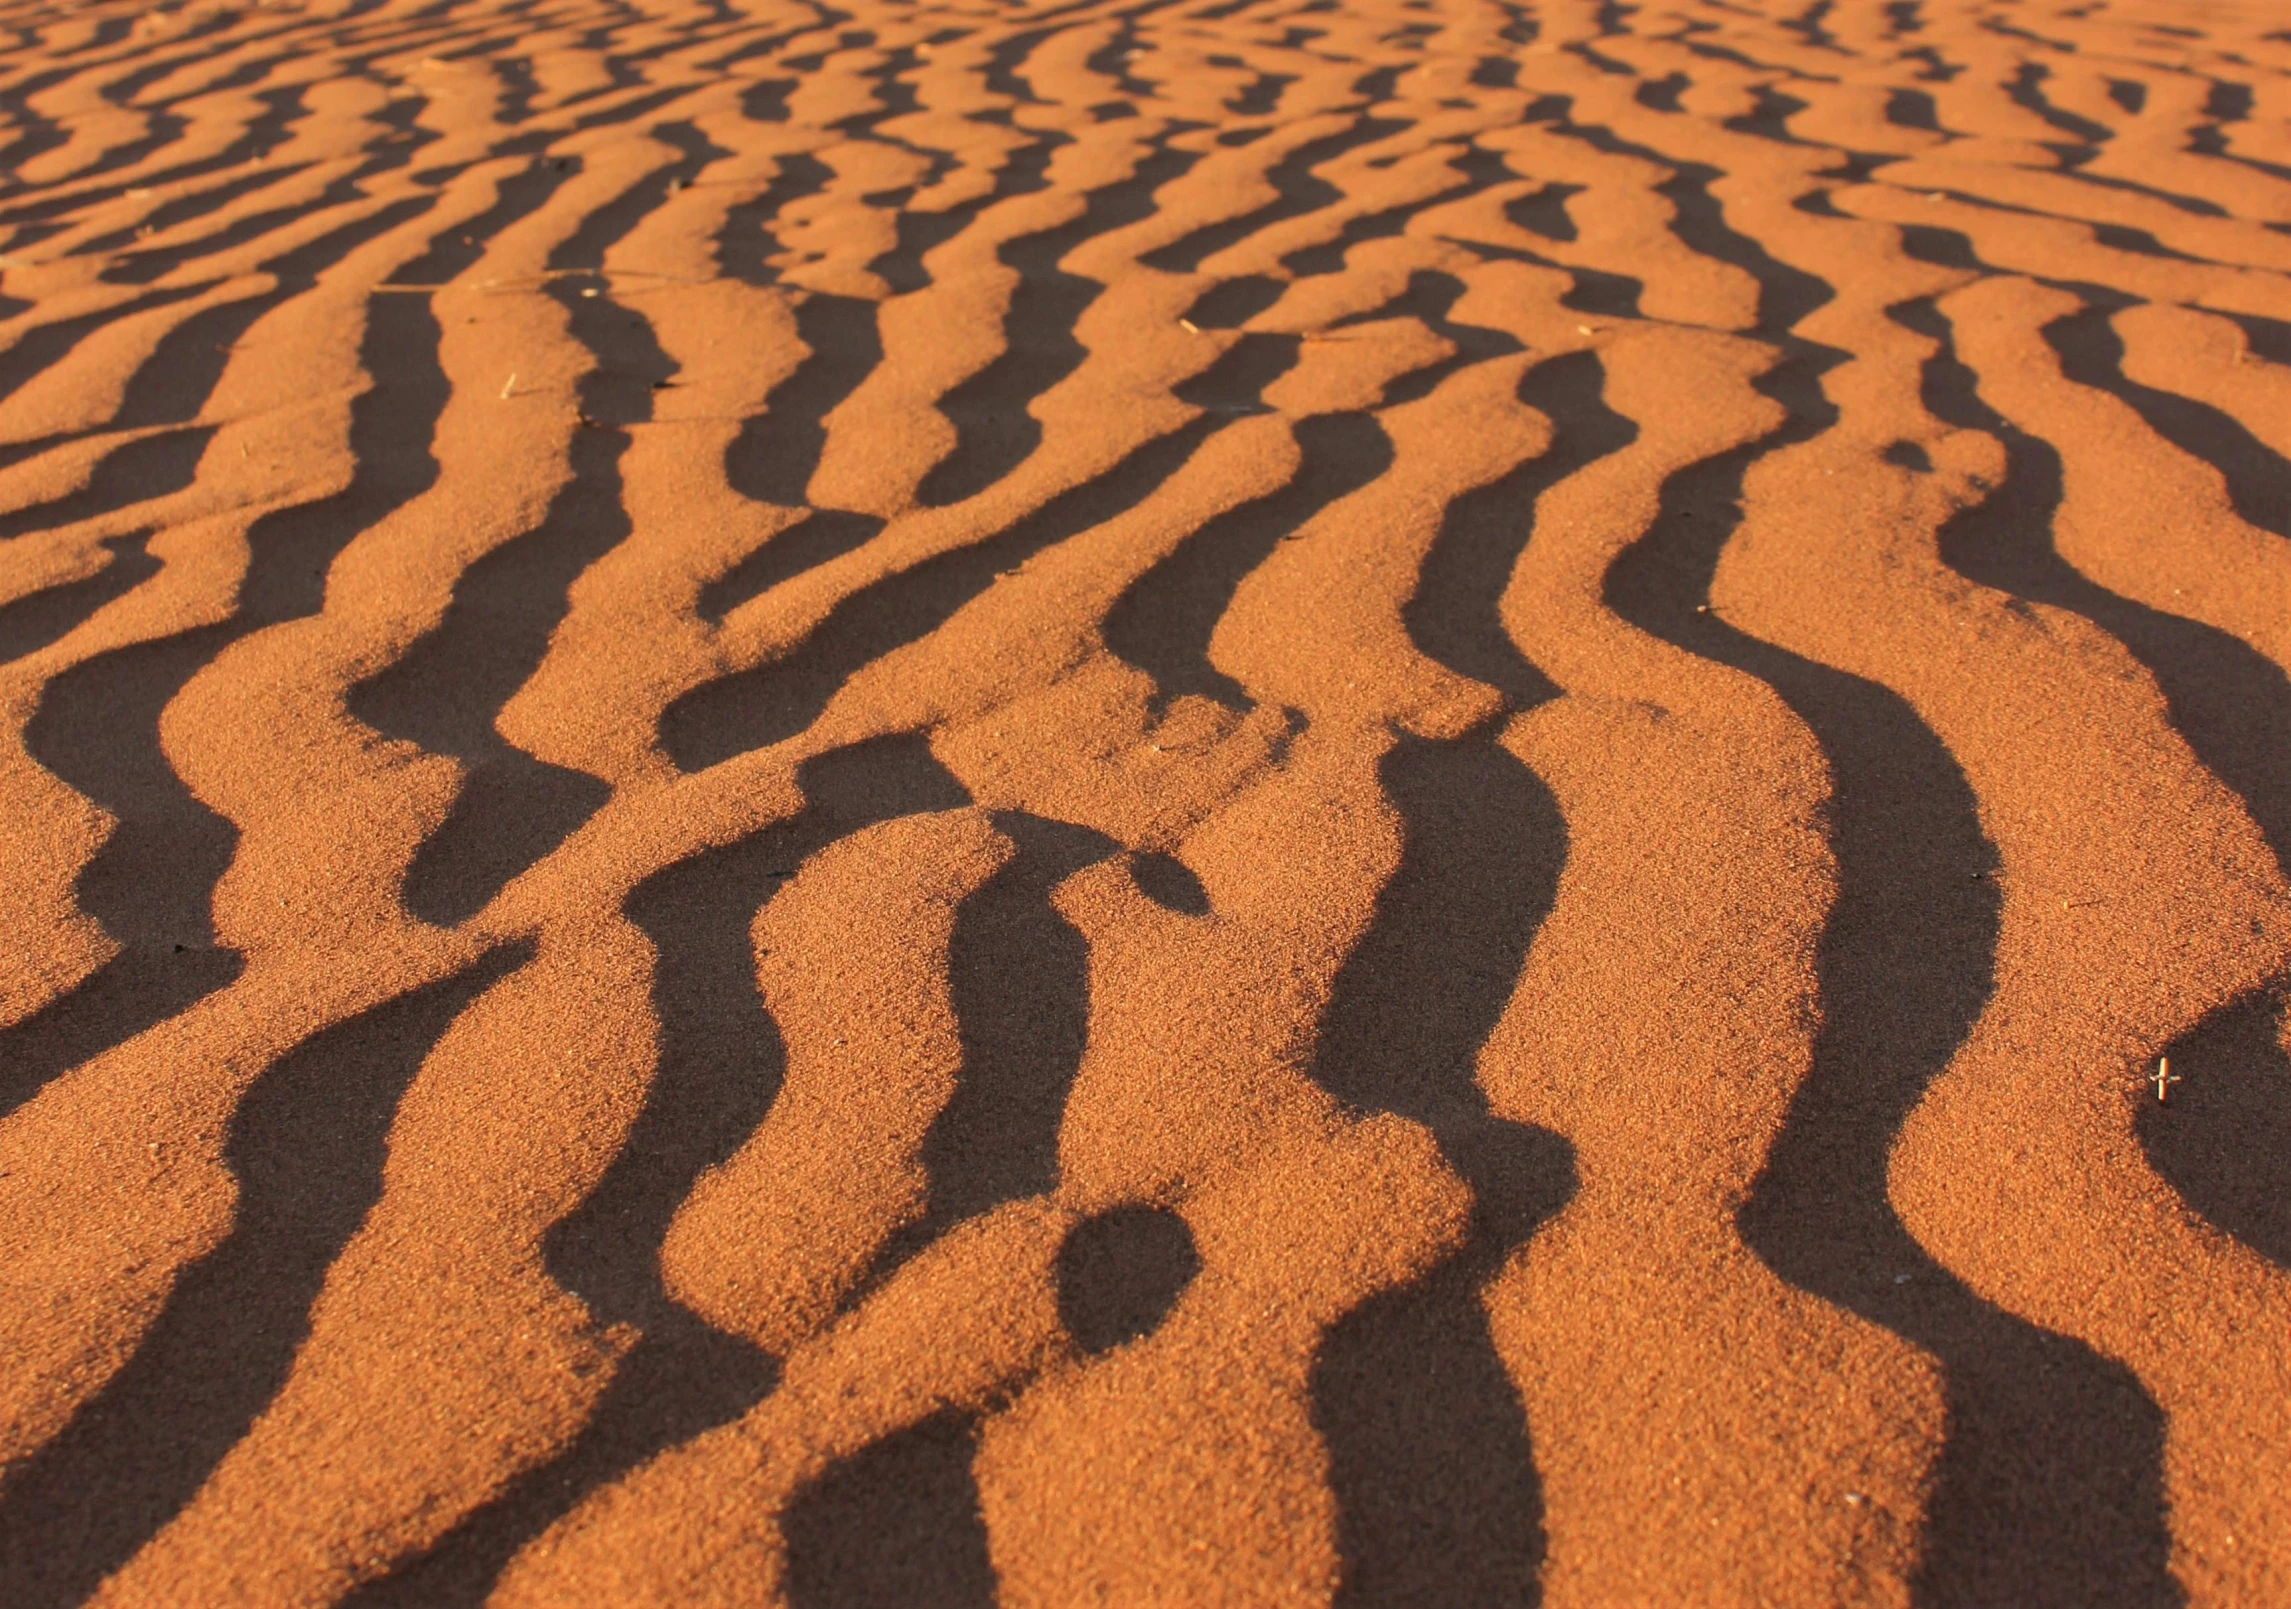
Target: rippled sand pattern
1179, 802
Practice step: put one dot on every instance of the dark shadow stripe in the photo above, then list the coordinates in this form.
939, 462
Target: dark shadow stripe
2048, 1489
896, 1523
1297, 191
307, 1146
2230, 703
775, 700
2221, 1133
176, 380
1429, 299
995, 428
30, 623
1019, 979
97, 728
1437, 1495
2258, 480
42, 347
447, 691
1163, 621
720, 1067
1455, 613
136, 471
819, 537
778, 449
97, 724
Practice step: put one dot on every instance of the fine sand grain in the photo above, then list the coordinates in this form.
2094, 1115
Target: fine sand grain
1145, 802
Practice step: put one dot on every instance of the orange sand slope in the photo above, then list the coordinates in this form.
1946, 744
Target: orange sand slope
1167, 802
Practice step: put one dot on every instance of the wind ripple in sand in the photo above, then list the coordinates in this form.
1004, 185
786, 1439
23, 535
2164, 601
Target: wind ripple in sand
1210, 802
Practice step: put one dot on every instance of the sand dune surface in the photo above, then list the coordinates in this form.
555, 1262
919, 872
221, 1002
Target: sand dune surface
1148, 802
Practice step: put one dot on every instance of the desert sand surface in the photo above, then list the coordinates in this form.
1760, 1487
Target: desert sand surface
1145, 802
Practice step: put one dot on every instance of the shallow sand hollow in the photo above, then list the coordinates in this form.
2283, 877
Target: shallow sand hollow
1262, 802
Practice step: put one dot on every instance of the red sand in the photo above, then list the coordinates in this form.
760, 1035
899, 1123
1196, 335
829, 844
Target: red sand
1231, 802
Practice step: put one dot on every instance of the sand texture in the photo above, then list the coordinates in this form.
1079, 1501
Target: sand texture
1145, 802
